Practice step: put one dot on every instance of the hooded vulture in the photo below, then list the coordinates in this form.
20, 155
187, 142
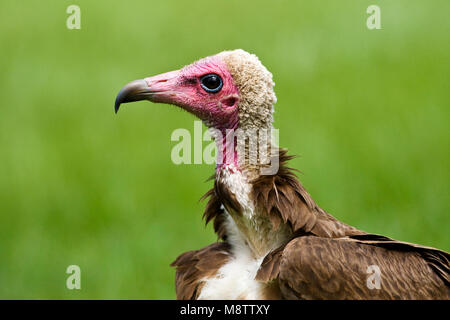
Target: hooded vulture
275, 242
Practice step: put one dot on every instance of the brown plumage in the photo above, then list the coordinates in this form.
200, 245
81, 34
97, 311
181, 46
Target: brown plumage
324, 259
193, 266
336, 268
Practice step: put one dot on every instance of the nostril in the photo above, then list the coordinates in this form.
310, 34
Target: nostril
229, 102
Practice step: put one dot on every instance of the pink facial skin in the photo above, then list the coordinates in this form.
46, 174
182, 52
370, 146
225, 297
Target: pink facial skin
218, 110
182, 88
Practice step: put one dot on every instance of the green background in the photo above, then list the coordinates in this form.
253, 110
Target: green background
367, 111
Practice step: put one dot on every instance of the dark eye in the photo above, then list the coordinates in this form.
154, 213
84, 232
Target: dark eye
211, 83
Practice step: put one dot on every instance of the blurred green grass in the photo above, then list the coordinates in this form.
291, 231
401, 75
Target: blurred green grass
367, 111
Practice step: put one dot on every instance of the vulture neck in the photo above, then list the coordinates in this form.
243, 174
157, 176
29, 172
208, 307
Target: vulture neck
244, 149
248, 229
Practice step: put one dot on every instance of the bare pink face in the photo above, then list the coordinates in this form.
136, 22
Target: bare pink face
204, 88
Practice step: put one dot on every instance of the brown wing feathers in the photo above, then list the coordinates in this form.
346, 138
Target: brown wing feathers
326, 268
437, 260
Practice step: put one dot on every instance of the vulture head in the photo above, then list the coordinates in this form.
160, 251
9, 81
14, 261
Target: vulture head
229, 90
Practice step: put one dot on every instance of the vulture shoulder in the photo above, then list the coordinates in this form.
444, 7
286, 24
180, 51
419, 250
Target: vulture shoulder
283, 199
310, 267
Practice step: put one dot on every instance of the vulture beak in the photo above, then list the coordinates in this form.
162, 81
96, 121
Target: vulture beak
159, 88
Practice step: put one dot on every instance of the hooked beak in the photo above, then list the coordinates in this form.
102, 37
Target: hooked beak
134, 91
155, 89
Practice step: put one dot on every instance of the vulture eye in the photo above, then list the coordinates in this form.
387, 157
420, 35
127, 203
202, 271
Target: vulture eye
211, 83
